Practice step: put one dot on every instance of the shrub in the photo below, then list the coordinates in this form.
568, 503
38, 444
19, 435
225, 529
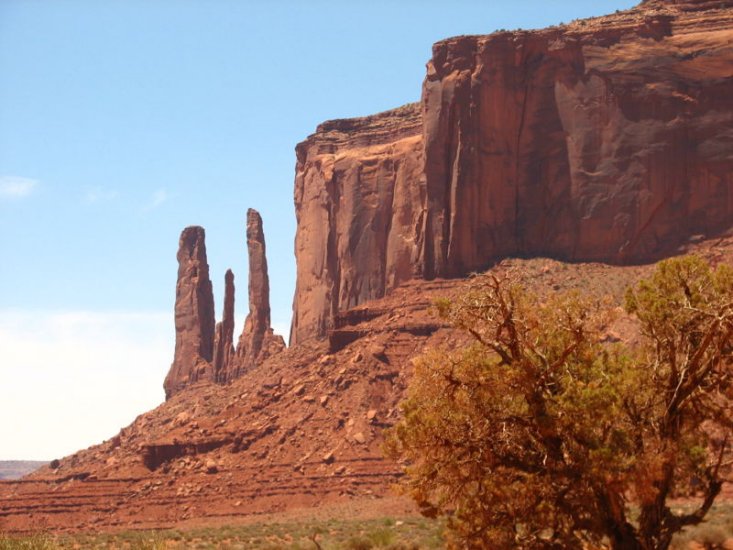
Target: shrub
538, 435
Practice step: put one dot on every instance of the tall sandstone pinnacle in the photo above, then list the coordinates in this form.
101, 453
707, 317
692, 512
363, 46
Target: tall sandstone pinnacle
204, 349
257, 341
194, 314
224, 335
608, 139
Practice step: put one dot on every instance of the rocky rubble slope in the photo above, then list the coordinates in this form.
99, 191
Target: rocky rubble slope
302, 429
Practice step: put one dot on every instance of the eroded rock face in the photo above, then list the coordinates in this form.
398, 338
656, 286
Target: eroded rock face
224, 335
612, 144
194, 315
608, 139
257, 341
358, 203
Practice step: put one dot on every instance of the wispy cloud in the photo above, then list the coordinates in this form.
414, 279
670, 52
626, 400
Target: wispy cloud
15, 187
157, 198
99, 194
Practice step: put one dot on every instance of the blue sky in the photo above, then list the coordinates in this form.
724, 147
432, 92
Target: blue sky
121, 122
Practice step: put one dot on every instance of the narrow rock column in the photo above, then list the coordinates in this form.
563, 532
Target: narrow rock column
224, 336
194, 314
257, 340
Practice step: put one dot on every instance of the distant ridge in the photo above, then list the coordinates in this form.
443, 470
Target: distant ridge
15, 469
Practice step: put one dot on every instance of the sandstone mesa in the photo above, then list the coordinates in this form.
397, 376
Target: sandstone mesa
607, 143
605, 140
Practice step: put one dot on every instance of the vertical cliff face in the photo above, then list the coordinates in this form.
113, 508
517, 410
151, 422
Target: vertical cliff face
194, 314
608, 139
224, 334
358, 203
608, 144
257, 341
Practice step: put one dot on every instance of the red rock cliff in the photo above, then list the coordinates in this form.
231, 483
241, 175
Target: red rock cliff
607, 139
358, 203
194, 314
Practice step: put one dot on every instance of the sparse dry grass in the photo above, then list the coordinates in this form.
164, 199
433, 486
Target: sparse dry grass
712, 533
387, 533
38, 541
412, 533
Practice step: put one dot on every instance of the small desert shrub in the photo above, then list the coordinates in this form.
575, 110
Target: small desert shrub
144, 540
358, 543
381, 537
713, 537
712, 533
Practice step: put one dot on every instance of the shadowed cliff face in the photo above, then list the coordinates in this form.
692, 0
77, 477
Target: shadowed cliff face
609, 139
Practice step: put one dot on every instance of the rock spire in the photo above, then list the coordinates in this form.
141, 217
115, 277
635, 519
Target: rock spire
205, 350
224, 335
257, 341
194, 314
